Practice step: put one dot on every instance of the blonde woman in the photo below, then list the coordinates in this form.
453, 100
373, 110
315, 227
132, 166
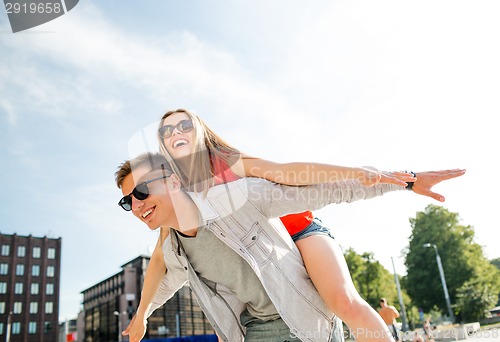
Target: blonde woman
202, 159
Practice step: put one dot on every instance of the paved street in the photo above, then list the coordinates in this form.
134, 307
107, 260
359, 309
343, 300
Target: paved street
483, 335
489, 335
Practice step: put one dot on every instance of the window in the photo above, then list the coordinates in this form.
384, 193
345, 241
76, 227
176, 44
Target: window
1, 328
51, 253
49, 307
37, 252
18, 308
50, 289
19, 269
34, 288
16, 328
4, 269
47, 327
18, 288
3, 287
35, 270
32, 328
33, 307
5, 250
50, 271
2, 307
21, 251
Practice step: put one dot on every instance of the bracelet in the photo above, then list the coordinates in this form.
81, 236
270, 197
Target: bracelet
410, 184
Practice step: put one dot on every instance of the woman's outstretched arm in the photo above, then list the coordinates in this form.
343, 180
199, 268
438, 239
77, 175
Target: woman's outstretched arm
299, 173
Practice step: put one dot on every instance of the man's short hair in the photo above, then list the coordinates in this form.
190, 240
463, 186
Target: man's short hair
155, 161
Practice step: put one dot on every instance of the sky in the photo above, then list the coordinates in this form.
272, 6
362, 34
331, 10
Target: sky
397, 85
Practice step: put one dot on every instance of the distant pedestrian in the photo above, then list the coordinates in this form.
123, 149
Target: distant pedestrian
389, 315
417, 338
428, 331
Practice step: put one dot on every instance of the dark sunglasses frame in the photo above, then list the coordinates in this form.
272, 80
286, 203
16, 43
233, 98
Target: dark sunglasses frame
141, 192
167, 130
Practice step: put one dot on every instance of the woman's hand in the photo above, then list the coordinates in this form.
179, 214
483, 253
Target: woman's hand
136, 329
427, 179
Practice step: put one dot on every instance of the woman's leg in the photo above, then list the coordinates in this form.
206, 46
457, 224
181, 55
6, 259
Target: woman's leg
329, 273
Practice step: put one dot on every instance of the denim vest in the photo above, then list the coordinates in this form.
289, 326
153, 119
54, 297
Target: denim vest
240, 213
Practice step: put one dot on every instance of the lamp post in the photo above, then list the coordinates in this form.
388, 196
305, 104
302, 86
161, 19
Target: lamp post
400, 297
443, 280
9, 327
117, 314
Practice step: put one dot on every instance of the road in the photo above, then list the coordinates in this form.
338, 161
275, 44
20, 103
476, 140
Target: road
483, 335
486, 335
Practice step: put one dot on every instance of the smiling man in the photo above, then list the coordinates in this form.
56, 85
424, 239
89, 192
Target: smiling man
246, 273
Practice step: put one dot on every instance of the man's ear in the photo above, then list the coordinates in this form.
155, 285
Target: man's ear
174, 183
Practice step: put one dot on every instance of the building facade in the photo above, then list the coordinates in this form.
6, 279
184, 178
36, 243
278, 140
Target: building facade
68, 331
109, 306
29, 288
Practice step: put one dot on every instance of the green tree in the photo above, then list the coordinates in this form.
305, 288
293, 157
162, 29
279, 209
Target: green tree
479, 293
463, 262
373, 282
370, 278
496, 263
474, 299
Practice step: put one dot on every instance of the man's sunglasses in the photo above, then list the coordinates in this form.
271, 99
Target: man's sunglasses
183, 126
141, 192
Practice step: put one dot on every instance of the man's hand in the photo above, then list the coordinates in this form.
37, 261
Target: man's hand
426, 180
136, 329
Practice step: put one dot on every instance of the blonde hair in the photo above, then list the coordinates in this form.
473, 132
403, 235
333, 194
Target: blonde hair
154, 161
208, 147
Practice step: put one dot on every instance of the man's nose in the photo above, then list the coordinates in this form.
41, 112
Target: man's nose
136, 204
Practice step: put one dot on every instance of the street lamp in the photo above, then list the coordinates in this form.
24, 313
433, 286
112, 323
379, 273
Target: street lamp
443, 280
400, 297
117, 314
9, 327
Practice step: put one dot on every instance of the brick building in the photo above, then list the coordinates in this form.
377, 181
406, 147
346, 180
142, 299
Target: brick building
29, 288
109, 305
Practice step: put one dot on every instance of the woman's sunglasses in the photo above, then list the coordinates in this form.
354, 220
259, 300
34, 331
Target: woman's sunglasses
183, 126
141, 192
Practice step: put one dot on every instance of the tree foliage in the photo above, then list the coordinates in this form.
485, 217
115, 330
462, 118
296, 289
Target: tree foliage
373, 282
370, 278
464, 265
496, 262
474, 299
